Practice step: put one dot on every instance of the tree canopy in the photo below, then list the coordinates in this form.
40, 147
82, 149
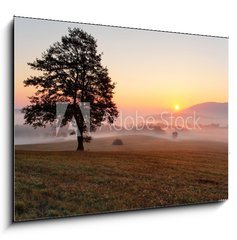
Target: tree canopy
71, 73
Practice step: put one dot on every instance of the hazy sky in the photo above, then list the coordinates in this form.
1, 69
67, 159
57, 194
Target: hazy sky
153, 70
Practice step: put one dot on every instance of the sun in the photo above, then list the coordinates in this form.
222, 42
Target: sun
176, 107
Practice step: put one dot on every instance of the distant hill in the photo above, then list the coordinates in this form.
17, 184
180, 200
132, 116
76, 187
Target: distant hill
209, 110
209, 113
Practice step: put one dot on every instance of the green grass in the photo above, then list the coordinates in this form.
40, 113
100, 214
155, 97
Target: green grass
61, 183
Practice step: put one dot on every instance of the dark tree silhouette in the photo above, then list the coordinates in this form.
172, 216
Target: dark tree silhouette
71, 72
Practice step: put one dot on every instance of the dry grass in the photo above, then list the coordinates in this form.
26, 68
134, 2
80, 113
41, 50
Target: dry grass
60, 183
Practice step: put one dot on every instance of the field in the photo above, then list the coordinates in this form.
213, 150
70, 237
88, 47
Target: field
145, 172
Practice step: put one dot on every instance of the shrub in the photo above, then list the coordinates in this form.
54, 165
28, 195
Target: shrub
117, 142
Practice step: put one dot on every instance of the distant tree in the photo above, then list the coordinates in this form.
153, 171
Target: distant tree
71, 72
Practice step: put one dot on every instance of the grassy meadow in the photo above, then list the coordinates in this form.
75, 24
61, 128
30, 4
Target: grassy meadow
145, 172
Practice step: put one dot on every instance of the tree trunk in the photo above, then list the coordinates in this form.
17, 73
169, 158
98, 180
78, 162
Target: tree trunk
79, 121
80, 146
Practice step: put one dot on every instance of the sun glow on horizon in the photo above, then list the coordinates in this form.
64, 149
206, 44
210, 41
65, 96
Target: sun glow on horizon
176, 107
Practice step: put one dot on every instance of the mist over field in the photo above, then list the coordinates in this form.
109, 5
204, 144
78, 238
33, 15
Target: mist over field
212, 126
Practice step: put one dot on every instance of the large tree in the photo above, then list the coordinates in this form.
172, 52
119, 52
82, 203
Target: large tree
71, 73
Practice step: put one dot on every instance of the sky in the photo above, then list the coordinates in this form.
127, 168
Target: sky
153, 70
